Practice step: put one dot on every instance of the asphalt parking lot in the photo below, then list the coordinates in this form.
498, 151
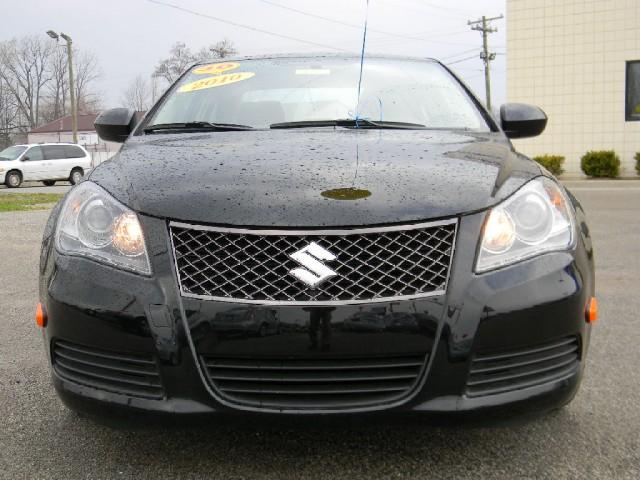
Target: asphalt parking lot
596, 436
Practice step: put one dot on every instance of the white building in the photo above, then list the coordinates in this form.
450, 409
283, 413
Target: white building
579, 60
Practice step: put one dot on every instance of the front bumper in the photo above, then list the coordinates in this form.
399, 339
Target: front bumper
504, 313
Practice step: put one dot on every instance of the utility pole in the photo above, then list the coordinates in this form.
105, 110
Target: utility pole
483, 26
72, 87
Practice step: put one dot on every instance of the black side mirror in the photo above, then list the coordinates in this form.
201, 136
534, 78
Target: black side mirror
25, 158
520, 120
116, 124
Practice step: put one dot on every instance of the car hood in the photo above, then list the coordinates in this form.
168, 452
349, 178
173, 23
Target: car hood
314, 177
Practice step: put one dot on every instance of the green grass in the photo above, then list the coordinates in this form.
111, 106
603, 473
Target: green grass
12, 202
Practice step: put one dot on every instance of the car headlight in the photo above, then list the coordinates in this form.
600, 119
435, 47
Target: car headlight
94, 224
534, 220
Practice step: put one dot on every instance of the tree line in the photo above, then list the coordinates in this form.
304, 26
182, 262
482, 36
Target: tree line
34, 84
34, 81
143, 91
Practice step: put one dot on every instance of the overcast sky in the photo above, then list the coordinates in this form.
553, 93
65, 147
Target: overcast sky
130, 36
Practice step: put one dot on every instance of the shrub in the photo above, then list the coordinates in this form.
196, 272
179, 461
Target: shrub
553, 163
637, 157
603, 163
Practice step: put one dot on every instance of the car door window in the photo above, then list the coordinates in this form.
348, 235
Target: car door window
73, 152
34, 154
54, 152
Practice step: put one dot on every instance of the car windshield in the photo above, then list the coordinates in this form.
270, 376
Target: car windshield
11, 153
264, 92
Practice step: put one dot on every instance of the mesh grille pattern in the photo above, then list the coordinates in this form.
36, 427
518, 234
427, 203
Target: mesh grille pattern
369, 264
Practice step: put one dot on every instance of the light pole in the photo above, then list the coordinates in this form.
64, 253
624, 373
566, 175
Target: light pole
72, 89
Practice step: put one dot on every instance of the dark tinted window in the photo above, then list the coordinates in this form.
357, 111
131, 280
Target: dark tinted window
73, 151
633, 91
54, 152
35, 153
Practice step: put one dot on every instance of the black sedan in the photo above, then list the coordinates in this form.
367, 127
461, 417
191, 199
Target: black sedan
289, 190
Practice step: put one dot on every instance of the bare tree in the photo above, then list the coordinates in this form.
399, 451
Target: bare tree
180, 58
58, 88
9, 114
87, 71
25, 72
156, 90
223, 48
34, 84
137, 95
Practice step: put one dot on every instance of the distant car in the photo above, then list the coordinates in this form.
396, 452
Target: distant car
401, 322
45, 162
364, 322
248, 320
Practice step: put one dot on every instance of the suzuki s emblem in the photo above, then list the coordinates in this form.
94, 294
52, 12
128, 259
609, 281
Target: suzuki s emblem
314, 272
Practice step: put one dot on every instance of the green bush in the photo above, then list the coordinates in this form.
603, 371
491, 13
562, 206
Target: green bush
637, 157
553, 163
603, 163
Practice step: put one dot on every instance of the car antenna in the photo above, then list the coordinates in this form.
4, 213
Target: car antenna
364, 42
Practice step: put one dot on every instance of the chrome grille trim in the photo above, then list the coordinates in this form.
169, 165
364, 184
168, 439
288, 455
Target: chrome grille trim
449, 226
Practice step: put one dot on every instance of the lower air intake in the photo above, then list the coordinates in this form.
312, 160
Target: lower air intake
492, 373
129, 374
340, 383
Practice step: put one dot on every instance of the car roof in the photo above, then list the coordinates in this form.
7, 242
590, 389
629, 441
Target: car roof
45, 143
307, 56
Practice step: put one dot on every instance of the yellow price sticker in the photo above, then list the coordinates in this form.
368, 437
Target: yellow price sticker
215, 68
217, 81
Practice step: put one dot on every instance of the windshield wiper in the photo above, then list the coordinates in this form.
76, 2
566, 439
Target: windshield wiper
196, 126
350, 123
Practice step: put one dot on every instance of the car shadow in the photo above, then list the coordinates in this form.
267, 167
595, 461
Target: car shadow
254, 422
349, 446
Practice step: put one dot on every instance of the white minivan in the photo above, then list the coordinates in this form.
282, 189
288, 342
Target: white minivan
45, 162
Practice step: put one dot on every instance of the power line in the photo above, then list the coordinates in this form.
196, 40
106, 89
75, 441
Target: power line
462, 60
422, 10
313, 15
240, 25
459, 53
350, 25
440, 34
446, 9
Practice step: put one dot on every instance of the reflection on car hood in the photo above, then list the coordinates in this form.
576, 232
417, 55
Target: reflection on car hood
318, 177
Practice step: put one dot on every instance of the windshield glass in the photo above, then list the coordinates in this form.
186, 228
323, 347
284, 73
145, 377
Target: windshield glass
11, 153
259, 93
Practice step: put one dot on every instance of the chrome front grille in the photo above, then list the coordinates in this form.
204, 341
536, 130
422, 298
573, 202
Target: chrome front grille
371, 264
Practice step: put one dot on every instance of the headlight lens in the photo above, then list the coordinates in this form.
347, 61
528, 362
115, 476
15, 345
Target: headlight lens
94, 224
536, 219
